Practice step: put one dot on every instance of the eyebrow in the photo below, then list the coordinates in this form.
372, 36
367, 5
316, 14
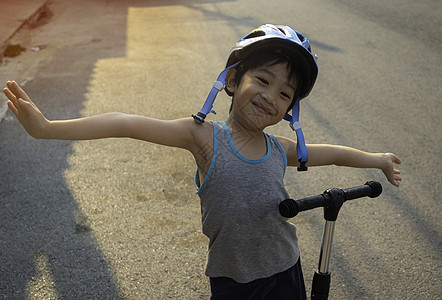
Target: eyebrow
273, 76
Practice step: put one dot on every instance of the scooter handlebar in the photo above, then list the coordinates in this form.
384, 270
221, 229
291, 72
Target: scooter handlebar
290, 208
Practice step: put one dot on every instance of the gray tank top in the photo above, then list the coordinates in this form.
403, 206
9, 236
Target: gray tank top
249, 239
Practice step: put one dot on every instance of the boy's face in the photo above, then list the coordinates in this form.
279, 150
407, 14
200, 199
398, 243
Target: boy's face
263, 95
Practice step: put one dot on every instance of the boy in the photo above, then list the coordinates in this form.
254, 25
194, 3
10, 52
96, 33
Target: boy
253, 251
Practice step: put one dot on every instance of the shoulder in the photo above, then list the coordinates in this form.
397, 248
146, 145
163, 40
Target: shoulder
202, 134
286, 143
289, 147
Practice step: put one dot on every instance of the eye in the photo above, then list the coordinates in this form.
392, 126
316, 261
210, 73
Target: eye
285, 95
263, 80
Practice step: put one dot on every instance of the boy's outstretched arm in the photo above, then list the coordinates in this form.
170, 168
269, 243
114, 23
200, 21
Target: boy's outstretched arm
322, 155
176, 133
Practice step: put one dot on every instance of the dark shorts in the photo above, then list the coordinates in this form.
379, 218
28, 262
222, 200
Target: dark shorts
285, 285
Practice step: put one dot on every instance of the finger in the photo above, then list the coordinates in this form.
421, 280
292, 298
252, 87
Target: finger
13, 108
9, 94
13, 103
9, 85
396, 160
18, 91
396, 180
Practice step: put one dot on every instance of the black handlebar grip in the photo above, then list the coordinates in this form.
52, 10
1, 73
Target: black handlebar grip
371, 189
290, 208
376, 188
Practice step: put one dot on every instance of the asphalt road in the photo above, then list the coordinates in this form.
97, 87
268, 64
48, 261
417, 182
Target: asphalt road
118, 218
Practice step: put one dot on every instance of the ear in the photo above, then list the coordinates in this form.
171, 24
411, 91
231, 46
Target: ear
230, 81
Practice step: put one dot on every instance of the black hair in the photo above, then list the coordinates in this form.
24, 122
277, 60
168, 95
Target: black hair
261, 58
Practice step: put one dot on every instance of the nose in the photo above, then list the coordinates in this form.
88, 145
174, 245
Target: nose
269, 95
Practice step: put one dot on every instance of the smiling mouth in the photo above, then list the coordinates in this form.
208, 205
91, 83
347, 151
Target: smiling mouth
261, 109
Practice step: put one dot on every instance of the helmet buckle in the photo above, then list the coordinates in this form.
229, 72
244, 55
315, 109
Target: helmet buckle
218, 85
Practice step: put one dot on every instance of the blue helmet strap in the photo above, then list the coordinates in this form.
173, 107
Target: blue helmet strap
301, 149
218, 86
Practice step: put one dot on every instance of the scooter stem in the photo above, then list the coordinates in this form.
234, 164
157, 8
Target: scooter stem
334, 198
325, 254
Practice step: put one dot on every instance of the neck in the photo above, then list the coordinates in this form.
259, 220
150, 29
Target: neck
241, 129
250, 143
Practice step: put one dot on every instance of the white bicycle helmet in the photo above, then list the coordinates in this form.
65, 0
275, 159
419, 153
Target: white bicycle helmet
288, 43
284, 40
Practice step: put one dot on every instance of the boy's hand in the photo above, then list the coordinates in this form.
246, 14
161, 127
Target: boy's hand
25, 110
390, 172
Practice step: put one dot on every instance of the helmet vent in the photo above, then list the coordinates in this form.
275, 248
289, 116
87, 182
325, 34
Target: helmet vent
300, 36
255, 34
